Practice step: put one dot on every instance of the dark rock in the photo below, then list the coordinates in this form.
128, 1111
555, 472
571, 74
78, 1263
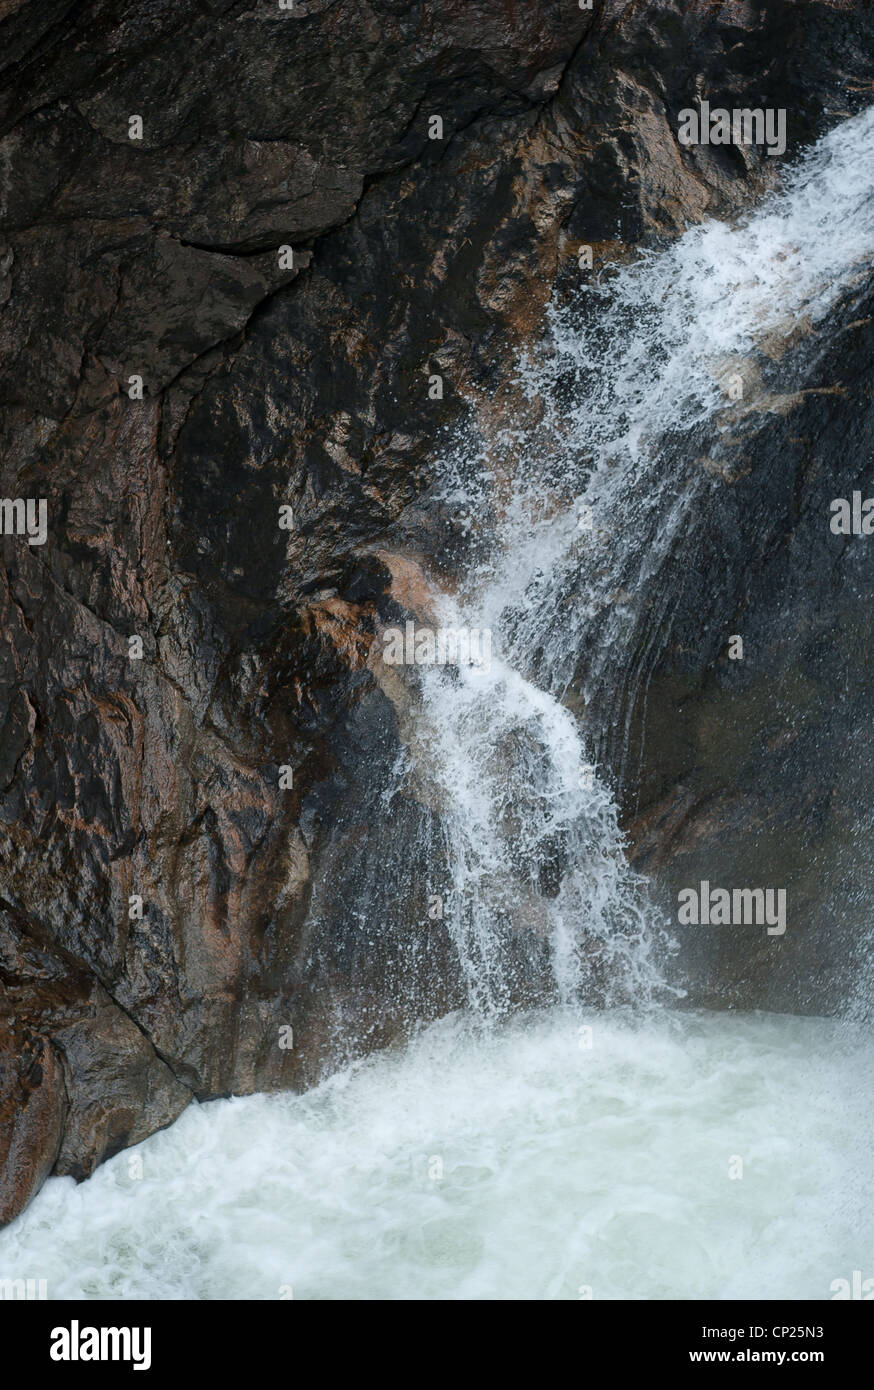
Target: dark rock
120, 1091
32, 1113
756, 772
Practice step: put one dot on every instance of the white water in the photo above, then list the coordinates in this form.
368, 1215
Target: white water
562, 1167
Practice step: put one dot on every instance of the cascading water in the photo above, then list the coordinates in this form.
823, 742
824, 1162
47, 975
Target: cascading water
570, 1150
519, 803
574, 519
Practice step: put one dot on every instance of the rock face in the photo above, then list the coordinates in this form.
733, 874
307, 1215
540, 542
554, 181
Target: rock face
283, 259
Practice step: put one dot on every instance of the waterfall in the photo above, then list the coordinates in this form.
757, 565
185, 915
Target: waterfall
573, 1152
571, 519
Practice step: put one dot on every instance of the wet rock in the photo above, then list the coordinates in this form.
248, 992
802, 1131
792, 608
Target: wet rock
754, 772
32, 1113
79, 1079
120, 1091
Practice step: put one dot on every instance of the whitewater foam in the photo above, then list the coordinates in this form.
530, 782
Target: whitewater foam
520, 1163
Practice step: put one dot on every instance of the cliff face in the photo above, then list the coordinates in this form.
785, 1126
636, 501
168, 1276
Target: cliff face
284, 259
